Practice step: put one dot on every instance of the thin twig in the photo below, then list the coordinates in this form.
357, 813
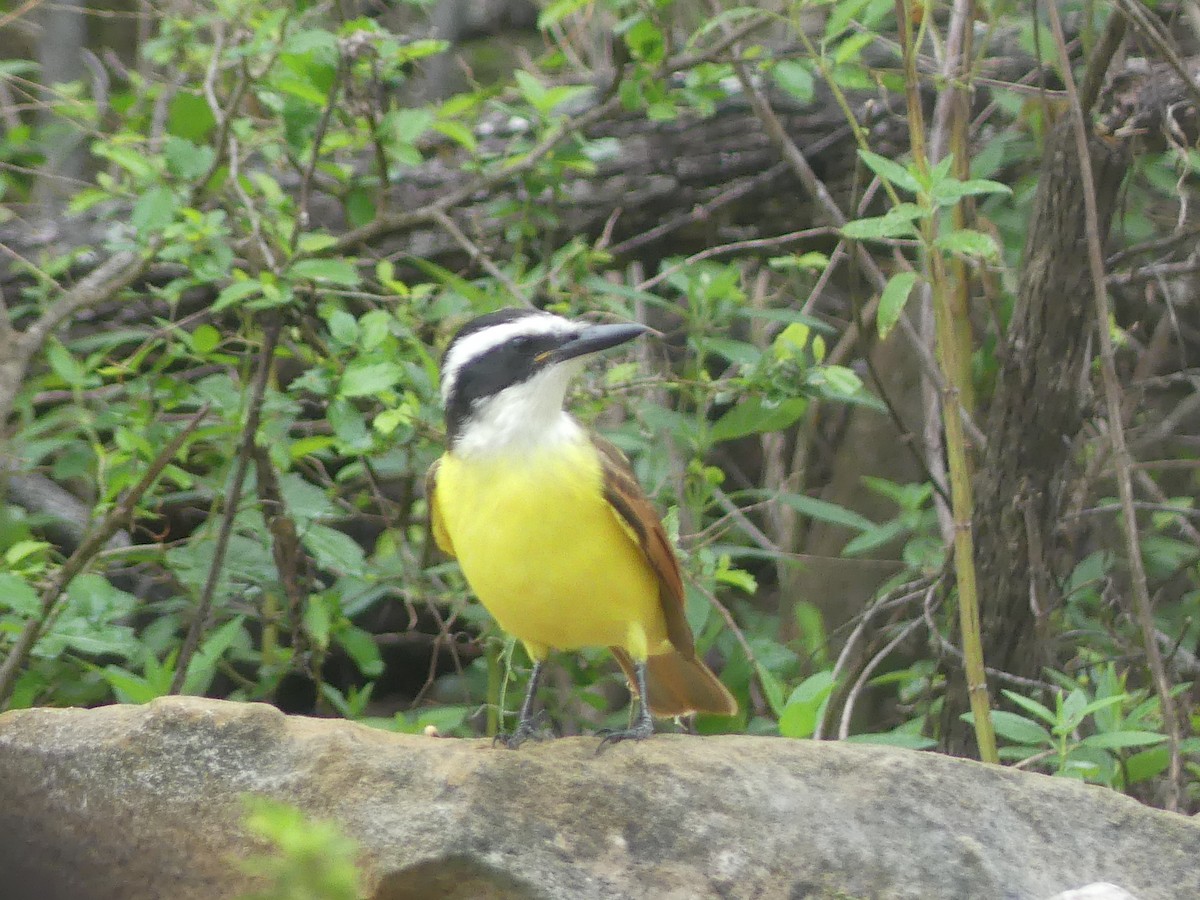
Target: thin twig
749, 528
865, 674
91, 544
476, 255
1112, 396
318, 138
395, 223
732, 625
735, 247
864, 619
948, 647
817, 189
232, 500
1156, 34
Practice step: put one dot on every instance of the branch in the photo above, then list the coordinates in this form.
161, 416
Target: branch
258, 391
1112, 397
387, 225
92, 543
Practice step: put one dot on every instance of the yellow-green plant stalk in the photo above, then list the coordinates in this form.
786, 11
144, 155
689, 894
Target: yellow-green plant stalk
955, 373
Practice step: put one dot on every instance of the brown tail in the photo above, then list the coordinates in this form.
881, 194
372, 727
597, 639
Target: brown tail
678, 686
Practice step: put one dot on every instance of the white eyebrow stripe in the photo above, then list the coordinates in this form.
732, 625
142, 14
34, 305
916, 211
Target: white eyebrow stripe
476, 344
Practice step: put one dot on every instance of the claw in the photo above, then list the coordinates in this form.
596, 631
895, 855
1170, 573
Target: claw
642, 728
528, 725
639, 732
524, 731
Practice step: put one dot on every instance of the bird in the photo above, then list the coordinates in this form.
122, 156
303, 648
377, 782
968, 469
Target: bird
549, 525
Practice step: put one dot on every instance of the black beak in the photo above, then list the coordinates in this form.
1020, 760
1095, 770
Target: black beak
595, 338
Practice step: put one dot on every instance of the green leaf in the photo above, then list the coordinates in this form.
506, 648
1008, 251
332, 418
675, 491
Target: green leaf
17, 596
531, 89
133, 160
348, 425
299, 87
903, 739
457, 132
1082, 712
335, 271
374, 326
892, 300
408, 125
841, 15
875, 538
849, 50
205, 339
360, 206
772, 689
65, 366
299, 123
824, 511
128, 687
335, 550
189, 116
187, 160
754, 415
559, 10
319, 615
1147, 764
238, 290
1032, 706
1019, 729
204, 663
363, 379
889, 171
840, 380
645, 41
951, 190
740, 352
969, 242
896, 223
360, 646
343, 327
1119, 740
154, 211
794, 78
806, 705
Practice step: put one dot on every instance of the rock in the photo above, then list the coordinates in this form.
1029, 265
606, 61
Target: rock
140, 802
1101, 890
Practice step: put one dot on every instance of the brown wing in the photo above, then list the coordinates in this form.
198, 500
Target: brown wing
629, 501
436, 525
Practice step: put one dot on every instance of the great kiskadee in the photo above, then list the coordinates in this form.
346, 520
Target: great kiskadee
548, 523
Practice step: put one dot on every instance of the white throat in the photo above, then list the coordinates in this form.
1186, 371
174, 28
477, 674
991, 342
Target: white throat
522, 419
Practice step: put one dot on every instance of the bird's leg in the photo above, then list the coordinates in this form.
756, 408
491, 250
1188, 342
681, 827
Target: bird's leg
643, 726
526, 727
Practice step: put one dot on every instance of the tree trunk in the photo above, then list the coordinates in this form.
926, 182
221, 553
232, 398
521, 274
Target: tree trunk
1042, 390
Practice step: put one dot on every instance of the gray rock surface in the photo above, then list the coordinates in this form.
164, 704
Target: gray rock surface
145, 802
1101, 890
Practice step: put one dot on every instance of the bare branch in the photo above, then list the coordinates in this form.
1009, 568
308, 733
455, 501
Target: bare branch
92, 543
232, 498
1112, 396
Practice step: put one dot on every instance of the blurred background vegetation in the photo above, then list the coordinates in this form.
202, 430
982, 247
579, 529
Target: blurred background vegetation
235, 235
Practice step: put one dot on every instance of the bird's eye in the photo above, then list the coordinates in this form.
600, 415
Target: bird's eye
522, 342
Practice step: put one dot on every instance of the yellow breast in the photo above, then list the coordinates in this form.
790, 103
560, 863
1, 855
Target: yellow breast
546, 554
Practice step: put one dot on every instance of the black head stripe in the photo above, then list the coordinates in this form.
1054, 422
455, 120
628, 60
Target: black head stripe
499, 317
486, 375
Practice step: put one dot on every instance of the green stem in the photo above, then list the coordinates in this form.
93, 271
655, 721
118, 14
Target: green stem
953, 369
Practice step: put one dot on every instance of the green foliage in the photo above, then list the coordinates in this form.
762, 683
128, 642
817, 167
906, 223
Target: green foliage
311, 859
1104, 735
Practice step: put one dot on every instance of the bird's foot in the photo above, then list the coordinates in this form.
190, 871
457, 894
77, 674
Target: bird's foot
639, 732
527, 729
